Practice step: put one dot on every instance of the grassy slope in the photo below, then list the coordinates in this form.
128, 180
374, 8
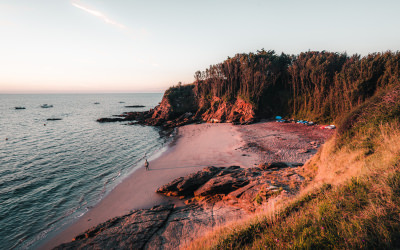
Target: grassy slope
352, 199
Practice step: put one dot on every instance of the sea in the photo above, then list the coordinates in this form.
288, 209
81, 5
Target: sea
54, 171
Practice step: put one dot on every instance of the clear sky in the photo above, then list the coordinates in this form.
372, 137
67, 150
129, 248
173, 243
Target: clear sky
97, 46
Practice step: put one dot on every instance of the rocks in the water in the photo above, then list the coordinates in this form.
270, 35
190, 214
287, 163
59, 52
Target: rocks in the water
135, 106
147, 118
101, 120
180, 106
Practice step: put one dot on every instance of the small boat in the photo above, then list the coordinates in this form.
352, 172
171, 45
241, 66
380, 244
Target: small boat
96, 103
46, 106
19, 107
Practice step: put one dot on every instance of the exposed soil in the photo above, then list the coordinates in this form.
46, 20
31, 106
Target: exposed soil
285, 142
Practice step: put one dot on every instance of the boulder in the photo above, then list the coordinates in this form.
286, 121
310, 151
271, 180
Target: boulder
185, 186
222, 184
210, 181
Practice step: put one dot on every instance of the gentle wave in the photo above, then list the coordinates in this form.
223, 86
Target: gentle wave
52, 172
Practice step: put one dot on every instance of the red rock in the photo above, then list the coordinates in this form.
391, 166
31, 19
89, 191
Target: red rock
185, 186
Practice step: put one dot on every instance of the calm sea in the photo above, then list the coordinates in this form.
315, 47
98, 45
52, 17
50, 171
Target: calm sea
52, 172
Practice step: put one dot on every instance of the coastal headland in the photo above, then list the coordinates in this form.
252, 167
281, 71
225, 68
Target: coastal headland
237, 164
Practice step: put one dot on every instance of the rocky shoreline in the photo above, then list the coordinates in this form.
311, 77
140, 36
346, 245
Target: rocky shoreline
181, 106
149, 118
213, 197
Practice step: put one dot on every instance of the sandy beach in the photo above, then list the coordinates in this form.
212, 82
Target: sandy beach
198, 146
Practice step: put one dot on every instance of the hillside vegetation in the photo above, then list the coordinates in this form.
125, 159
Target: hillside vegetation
313, 85
319, 86
351, 198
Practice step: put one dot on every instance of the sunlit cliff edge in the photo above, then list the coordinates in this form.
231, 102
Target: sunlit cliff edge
351, 195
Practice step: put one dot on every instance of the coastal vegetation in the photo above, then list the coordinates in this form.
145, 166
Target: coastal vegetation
351, 201
320, 86
351, 198
351, 195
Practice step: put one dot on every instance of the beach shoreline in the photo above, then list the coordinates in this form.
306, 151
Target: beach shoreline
194, 147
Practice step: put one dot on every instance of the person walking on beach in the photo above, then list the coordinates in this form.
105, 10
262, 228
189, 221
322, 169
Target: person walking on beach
146, 165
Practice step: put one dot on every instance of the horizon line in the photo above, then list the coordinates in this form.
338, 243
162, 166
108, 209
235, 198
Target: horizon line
79, 93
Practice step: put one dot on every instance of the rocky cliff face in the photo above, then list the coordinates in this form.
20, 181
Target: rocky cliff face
224, 111
180, 106
176, 102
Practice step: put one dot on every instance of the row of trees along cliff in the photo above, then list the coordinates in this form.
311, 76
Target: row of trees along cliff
318, 86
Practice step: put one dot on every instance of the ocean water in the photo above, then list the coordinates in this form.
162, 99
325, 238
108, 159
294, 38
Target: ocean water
52, 172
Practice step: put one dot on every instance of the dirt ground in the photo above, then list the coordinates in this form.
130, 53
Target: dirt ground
286, 142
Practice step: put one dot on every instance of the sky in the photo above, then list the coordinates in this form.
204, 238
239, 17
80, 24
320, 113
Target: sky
121, 46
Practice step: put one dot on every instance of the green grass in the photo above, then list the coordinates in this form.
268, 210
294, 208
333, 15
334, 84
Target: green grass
354, 215
357, 204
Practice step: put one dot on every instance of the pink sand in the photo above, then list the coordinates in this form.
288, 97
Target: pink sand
197, 146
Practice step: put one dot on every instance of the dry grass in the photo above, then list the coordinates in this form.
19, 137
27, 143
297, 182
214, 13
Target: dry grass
353, 201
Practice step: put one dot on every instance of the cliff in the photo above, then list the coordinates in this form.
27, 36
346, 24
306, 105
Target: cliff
351, 199
319, 86
180, 105
352, 195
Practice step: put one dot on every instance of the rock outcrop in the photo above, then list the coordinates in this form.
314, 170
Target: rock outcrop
185, 186
161, 227
246, 188
135, 106
219, 110
180, 106
213, 197
131, 231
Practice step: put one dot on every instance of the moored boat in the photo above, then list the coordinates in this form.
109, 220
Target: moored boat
46, 106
